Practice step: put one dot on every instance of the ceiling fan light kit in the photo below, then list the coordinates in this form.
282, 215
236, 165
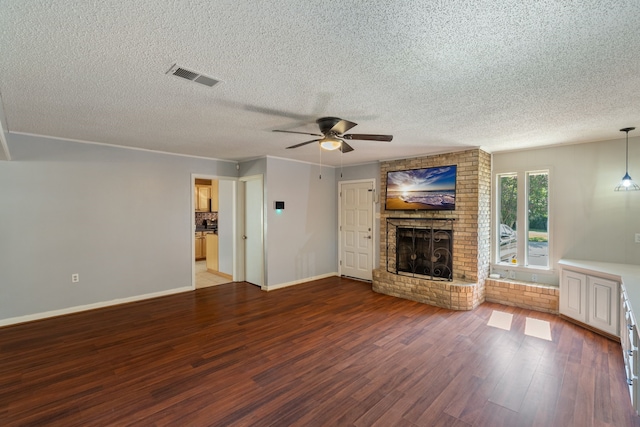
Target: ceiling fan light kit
330, 143
333, 135
627, 184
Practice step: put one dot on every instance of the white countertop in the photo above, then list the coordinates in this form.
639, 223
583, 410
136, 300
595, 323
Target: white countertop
628, 274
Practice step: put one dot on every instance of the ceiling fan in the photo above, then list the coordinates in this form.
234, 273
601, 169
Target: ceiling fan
333, 135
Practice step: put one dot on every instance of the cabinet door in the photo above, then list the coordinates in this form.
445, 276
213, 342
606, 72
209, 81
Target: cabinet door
203, 195
604, 298
573, 295
214, 196
625, 327
212, 251
198, 246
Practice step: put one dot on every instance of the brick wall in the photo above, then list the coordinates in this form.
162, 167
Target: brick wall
471, 246
533, 296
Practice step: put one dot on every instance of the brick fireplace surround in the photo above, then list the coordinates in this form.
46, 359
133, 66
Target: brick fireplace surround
471, 241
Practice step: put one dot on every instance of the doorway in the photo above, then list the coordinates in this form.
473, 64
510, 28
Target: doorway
213, 228
356, 230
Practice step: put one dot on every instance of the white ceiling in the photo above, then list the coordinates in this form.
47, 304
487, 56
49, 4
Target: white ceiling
438, 75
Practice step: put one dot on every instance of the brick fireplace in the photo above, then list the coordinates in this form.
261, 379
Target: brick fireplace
422, 277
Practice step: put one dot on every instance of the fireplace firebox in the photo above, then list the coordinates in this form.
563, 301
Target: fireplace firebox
420, 247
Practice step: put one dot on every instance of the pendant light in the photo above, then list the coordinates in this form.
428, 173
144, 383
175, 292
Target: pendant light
627, 183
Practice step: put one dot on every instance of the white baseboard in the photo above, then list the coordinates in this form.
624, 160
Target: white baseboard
76, 309
297, 282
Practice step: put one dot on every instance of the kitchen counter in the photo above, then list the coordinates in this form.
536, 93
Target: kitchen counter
627, 274
206, 230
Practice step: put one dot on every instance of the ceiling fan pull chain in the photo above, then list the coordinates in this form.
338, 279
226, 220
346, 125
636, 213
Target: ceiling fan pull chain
320, 151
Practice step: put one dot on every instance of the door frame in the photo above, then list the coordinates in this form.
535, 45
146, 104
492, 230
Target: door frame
374, 230
234, 222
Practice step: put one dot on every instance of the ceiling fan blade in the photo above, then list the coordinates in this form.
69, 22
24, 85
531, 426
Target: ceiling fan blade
292, 131
303, 143
273, 112
368, 137
342, 126
345, 148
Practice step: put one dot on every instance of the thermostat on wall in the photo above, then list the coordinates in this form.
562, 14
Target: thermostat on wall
279, 205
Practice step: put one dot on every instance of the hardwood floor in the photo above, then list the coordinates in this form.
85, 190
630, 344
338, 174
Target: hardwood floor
325, 353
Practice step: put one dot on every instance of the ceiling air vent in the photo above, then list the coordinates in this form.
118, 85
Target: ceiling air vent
193, 76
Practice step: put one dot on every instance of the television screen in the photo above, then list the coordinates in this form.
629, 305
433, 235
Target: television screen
422, 189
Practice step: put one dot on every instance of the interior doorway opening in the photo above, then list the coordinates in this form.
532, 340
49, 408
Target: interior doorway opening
213, 230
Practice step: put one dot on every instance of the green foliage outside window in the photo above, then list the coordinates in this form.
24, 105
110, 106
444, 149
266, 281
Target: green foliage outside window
509, 200
538, 208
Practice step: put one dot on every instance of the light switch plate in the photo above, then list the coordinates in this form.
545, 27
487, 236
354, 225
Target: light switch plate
637, 237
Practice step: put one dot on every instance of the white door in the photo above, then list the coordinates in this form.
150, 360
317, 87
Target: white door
253, 235
356, 229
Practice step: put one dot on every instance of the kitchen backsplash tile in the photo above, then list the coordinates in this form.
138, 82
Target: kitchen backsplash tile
201, 216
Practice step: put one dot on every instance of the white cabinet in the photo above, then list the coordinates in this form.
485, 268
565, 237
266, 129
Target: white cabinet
606, 295
573, 295
602, 311
590, 299
629, 341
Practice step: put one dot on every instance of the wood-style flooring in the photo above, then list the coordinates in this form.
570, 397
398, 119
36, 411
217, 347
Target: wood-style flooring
325, 353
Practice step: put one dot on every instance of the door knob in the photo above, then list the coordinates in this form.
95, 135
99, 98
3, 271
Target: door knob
244, 237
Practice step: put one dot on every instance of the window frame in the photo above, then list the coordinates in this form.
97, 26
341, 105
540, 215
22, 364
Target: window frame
522, 220
527, 174
498, 220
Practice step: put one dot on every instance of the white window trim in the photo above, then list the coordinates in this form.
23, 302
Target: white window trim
522, 218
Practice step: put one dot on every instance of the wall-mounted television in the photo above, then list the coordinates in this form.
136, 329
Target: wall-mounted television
422, 189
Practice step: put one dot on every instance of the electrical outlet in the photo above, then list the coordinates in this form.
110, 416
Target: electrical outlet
637, 237
512, 275
75, 278
534, 277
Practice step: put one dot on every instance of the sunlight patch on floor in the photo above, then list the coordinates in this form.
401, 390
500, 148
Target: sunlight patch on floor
537, 328
500, 319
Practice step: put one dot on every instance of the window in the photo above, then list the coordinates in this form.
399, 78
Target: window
508, 217
538, 219
532, 211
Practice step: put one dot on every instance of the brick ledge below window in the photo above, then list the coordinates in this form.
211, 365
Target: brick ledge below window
534, 296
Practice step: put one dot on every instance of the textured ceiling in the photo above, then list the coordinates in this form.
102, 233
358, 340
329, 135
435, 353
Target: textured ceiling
438, 75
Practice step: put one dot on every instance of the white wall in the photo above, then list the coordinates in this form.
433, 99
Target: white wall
588, 219
122, 219
302, 239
